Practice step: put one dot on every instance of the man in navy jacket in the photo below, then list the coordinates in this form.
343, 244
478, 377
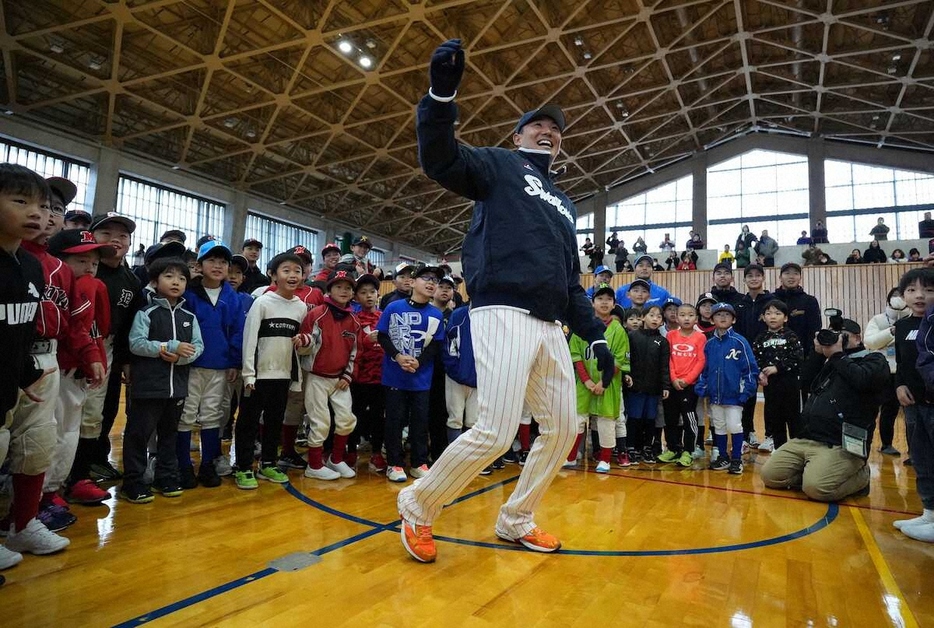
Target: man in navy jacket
519, 289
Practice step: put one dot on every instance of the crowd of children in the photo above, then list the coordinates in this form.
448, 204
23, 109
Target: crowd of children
205, 342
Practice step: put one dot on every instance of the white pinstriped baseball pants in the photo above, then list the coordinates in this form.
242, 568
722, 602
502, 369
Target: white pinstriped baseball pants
520, 359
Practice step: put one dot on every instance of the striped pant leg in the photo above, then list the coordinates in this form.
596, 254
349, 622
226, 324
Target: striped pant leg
551, 397
505, 342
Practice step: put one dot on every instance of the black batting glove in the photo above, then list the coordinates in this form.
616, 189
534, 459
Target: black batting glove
446, 68
605, 362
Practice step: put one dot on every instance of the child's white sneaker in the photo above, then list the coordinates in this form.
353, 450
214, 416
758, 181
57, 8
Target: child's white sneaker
35, 538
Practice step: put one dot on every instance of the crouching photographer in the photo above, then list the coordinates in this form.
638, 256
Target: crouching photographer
827, 460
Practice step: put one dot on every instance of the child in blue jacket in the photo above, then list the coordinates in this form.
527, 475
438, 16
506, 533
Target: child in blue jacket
728, 380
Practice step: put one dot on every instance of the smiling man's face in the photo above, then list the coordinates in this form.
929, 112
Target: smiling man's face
540, 134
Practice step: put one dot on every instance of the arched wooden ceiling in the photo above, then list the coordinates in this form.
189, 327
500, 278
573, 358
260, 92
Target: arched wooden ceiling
257, 93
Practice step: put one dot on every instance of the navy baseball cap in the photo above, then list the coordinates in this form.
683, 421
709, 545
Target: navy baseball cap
367, 280
706, 297
545, 111
172, 248
240, 262
722, 307
671, 301
76, 215
640, 282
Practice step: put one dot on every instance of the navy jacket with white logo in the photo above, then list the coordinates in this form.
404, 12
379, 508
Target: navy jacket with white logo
521, 247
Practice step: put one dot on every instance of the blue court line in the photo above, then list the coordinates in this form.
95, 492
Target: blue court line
833, 511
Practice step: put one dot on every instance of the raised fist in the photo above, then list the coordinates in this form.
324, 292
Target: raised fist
446, 68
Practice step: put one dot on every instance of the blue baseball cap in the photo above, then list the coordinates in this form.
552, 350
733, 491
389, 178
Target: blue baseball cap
214, 248
672, 301
722, 307
545, 111
602, 269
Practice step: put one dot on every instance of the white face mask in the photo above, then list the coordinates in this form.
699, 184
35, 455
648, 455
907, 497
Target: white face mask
897, 303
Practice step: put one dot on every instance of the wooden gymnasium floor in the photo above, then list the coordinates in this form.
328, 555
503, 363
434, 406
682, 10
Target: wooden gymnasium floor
647, 546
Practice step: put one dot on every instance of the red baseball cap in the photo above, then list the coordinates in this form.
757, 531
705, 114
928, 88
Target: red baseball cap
77, 241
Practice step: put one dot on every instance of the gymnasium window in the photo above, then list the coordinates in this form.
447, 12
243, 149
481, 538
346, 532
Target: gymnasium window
584, 229
278, 236
52, 165
665, 209
378, 259
766, 190
156, 209
858, 195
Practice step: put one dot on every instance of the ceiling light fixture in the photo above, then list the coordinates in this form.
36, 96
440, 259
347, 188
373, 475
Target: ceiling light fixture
366, 62
892, 69
344, 46
56, 45
578, 41
95, 62
250, 133
230, 123
588, 56
370, 44
897, 56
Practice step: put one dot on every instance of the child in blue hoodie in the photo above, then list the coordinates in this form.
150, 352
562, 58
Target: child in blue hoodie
728, 380
220, 315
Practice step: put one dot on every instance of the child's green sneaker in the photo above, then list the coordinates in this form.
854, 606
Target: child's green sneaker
686, 459
273, 474
245, 480
667, 456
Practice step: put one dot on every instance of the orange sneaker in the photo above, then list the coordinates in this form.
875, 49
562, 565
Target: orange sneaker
537, 540
418, 542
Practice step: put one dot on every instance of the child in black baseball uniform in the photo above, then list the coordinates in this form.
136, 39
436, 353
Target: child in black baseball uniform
779, 354
648, 381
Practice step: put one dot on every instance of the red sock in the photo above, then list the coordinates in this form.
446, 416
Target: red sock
289, 432
606, 454
572, 456
338, 448
316, 457
27, 491
525, 437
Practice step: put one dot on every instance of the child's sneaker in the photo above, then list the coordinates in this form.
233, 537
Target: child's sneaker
537, 540
341, 467
767, 445
699, 452
498, 463
393, 474
222, 466
753, 440
686, 459
273, 474
321, 474
736, 467
105, 472
35, 538
569, 464
377, 463
634, 457
208, 477
54, 517
647, 456
86, 492
187, 477
622, 459
746, 448
8, 558
721, 464
419, 472
523, 456
136, 495
488, 470
511, 456
293, 460
668, 456
168, 489
245, 480
603, 467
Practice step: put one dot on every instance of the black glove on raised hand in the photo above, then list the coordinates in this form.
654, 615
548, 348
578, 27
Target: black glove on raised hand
446, 68
605, 361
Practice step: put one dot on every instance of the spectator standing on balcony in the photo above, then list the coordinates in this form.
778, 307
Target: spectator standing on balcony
880, 231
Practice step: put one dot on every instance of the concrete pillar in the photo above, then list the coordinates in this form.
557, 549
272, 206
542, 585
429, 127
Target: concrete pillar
105, 175
817, 192
699, 214
235, 221
599, 220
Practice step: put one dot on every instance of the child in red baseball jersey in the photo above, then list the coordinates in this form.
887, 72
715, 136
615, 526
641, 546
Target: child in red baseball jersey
327, 343
366, 389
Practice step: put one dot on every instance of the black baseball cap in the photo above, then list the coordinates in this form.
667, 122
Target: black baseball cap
240, 262
177, 234
172, 248
723, 266
424, 269
604, 288
789, 266
330, 246
76, 242
367, 280
448, 280
201, 241
64, 188
644, 256
545, 111
706, 297
640, 282
363, 241
75, 215
752, 267
101, 220
251, 242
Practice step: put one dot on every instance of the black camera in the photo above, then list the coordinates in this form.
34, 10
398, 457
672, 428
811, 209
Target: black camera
829, 336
